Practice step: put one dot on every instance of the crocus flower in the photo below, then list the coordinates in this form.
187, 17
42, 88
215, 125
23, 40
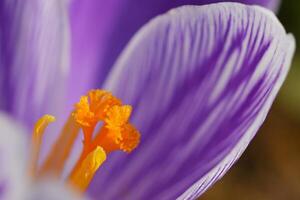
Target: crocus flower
201, 80
100, 30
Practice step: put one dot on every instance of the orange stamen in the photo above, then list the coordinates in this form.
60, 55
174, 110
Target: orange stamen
116, 133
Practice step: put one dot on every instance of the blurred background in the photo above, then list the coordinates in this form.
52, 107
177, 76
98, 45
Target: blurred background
270, 167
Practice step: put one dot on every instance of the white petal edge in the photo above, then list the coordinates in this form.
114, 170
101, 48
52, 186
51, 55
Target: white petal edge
14, 156
52, 190
226, 163
220, 170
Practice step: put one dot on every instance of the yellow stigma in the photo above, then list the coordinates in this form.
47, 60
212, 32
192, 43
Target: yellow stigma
92, 108
117, 116
116, 133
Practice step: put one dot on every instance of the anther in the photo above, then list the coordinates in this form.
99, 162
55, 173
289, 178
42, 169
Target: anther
37, 136
83, 176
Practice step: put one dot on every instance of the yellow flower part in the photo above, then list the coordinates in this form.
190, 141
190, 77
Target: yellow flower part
83, 176
116, 133
37, 136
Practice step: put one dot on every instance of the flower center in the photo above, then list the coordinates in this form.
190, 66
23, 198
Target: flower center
99, 107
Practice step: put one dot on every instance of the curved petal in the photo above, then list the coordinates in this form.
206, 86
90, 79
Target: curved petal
52, 190
13, 155
14, 182
201, 80
33, 57
101, 29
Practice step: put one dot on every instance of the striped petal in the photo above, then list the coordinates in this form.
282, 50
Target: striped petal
33, 57
101, 29
201, 80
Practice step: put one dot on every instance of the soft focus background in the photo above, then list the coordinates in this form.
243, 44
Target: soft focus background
270, 167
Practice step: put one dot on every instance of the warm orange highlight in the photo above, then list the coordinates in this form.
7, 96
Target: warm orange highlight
92, 108
116, 133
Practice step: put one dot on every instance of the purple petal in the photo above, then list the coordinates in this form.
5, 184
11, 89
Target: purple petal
33, 57
101, 29
201, 80
91, 25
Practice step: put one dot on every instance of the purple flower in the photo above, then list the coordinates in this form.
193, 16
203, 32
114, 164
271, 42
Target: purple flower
101, 30
201, 80
75, 39
33, 57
